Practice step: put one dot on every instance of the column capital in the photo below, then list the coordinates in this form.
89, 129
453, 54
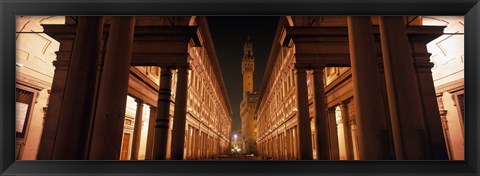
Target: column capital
346, 101
153, 108
301, 67
165, 71
185, 66
166, 67
139, 101
316, 67
318, 70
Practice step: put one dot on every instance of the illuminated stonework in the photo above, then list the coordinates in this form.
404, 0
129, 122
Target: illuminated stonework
34, 74
177, 106
174, 80
329, 92
249, 101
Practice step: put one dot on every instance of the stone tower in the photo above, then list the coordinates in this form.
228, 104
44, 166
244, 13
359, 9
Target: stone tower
248, 65
249, 101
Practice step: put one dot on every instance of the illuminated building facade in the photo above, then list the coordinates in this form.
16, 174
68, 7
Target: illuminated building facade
35, 53
249, 101
339, 88
177, 107
59, 77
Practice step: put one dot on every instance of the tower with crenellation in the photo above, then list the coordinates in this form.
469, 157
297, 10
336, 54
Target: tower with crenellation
249, 101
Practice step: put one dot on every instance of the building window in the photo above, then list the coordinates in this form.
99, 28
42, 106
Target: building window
24, 101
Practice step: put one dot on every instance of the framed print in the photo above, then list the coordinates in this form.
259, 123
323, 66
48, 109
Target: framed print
235, 88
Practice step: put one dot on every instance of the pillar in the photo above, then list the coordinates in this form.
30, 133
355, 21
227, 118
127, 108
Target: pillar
333, 135
195, 143
371, 120
71, 135
443, 116
404, 97
163, 111
321, 119
304, 130
423, 66
151, 133
109, 116
180, 113
346, 129
49, 132
137, 130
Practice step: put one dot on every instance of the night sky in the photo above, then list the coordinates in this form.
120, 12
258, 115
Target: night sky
229, 34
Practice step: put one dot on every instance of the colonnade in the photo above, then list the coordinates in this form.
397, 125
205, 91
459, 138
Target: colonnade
86, 110
201, 145
392, 91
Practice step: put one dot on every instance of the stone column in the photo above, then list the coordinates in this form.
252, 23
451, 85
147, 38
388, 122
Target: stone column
333, 135
163, 111
151, 133
180, 114
76, 106
194, 144
443, 116
367, 90
404, 97
201, 145
346, 129
137, 130
209, 148
197, 143
109, 116
424, 67
56, 97
321, 119
305, 133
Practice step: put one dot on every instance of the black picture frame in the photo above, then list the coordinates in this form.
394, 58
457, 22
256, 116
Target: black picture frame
10, 8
